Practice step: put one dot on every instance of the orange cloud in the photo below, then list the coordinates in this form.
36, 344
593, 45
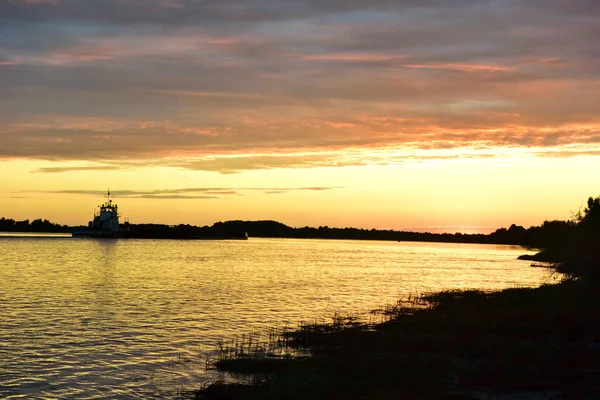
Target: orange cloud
9, 62
462, 67
209, 94
350, 57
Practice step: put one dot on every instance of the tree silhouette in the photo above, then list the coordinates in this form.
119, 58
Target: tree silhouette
590, 219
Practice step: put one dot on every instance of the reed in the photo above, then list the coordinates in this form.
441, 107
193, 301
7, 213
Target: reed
452, 343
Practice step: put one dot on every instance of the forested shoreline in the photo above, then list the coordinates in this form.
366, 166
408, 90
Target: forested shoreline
536, 236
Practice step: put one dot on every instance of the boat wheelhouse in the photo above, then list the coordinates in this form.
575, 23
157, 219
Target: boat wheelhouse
107, 219
105, 223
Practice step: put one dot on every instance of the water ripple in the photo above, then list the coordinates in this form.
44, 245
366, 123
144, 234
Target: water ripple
128, 319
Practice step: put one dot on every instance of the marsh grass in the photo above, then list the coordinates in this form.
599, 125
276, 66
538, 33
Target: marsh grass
441, 345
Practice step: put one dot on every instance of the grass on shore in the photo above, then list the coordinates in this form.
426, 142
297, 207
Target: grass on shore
452, 344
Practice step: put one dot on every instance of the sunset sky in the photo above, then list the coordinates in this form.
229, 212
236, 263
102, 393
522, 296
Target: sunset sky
432, 115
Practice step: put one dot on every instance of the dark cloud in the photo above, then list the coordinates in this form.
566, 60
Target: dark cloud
183, 193
123, 80
172, 197
71, 169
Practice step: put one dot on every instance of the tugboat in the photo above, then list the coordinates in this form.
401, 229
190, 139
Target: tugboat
105, 223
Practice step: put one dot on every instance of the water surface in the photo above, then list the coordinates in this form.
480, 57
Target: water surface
88, 318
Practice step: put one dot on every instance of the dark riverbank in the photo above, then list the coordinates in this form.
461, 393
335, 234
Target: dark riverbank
447, 345
541, 343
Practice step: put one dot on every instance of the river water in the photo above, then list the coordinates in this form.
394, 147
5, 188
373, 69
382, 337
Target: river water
85, 318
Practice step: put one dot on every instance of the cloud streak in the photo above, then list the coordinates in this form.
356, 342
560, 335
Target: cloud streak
52, 170
184, 193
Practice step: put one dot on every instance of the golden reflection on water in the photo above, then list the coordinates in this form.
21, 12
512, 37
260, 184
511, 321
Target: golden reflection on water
106, 318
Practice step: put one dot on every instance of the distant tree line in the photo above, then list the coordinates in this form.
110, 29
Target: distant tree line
574, 245
182, 231
37, 225
557, 237
274, 229
549, 234
536, 236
